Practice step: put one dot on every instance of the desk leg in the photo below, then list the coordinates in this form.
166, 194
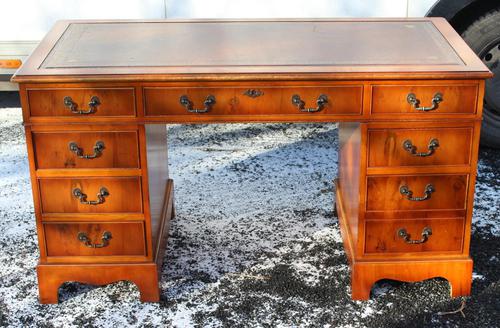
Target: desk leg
52, 276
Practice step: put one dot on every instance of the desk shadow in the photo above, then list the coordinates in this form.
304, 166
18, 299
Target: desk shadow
116, 291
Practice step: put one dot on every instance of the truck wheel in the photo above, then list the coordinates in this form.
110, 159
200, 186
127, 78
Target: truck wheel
483, 36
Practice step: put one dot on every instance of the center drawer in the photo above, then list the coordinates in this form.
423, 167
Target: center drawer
91, 195
95, 239
305, 100
416, 192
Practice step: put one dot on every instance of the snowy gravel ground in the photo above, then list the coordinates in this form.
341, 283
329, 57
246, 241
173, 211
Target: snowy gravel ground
254, 242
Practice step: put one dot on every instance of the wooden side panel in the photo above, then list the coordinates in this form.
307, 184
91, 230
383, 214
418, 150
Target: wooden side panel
350, 173
34, 183
473, 175
126, 239
157, 159
124, 195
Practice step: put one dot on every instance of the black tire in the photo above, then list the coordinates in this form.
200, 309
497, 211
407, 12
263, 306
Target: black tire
483, 36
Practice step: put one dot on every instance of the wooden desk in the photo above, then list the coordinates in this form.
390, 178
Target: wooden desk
96, 96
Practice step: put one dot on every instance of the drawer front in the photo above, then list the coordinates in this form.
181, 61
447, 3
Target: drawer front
407, 236
427, 192
391, 99
95, 239
419, 147
109, 195
78, 102
160, 101
74, 150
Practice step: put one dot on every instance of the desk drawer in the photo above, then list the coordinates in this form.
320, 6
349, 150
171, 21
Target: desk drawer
83, 149
416, 192
428, 100
108, 195
408, 236
81, 103
419, 147
95, 239
345, 99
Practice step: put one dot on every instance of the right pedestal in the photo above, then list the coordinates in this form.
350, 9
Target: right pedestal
405, 214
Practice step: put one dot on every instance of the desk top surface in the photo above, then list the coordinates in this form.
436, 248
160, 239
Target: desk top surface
242, 49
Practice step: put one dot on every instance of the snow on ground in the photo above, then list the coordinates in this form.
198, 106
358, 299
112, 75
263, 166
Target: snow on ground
254, 242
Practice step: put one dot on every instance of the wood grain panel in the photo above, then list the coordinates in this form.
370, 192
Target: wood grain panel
385, 146
113, 102
62, 239
121, 149
124, 195
382, 236
383, 192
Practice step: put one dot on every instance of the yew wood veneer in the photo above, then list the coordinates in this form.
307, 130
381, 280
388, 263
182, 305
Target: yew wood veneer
96, 96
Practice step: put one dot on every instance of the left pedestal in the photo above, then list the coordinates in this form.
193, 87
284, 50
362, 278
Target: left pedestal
103, 200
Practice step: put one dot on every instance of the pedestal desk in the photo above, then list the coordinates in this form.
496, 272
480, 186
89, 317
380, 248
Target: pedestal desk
96, 96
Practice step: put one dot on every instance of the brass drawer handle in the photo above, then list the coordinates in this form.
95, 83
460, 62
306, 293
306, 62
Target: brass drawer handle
429, 189
98, 148
301, 105
208, 103
103, 192
73, 107
106, 236
415, 102
426, 232
409, 147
